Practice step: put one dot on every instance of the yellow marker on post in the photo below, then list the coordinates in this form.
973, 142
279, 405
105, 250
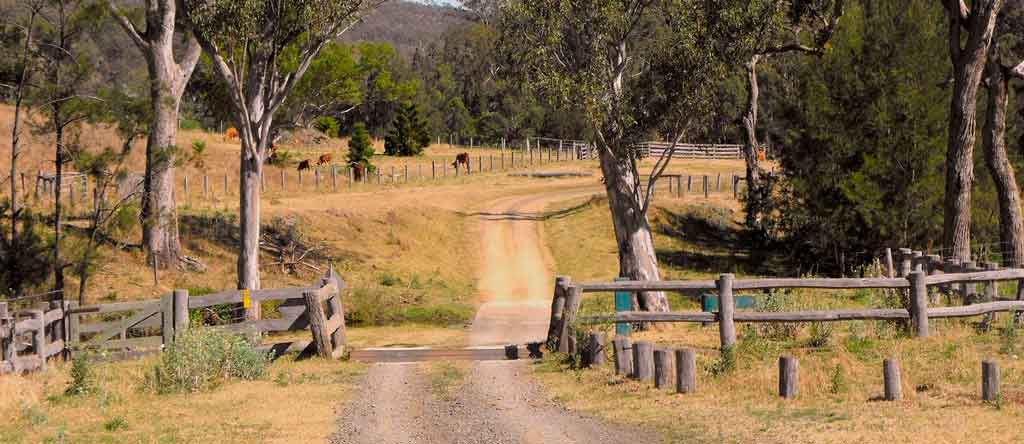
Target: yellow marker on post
246, 299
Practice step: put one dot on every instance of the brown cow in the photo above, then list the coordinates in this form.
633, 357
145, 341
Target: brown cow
358, 171
231, 134
461, 158
324, 159
305, 165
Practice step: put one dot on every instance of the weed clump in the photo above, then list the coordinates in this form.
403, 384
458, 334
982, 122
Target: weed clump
202, 359
83, 378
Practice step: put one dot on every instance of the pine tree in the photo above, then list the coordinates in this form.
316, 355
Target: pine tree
409, 134
360, 149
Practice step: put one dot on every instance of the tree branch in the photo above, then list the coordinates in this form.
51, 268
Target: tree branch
129, 27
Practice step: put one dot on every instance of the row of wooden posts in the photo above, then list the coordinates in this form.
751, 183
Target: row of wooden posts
61, 328
330, 177
680, 185
668, 368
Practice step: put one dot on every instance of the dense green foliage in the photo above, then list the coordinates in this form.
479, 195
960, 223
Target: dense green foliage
409, 134
861, 138
360, 148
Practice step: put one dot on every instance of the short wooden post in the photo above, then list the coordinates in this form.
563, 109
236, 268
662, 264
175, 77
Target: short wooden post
643, 361
406, 173
891, 375
705, 186
572, 305
392, 174
726, 308
180, 305
433, 169
557, 310
789, 376
167, 319
890, 269
623, 349
906, 262
679, 185
916, 260
187, 199
206, 187
918, 304
318, 324
226, 185
689, 183
989, 381
686, 371
991, 287
594, 353
663, 369
284, 186
718, 183
351, 176
39, 336
967, 289
6, 334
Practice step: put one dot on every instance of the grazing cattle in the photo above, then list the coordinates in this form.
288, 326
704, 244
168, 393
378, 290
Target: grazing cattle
358, 171
305, 165
324, 159
231, 134
461, 158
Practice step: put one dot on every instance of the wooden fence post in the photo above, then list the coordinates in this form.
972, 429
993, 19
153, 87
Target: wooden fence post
167, 319
686, 371
188, 200
726, 309
72, 321
705, 186
318, 324
789, 377
643, 361
433, 170
663, 371
6, 335
905, 262
890, 269
334, 178
206, 187
226, 185
566, 340
891, 375
989, 381
557, 311
39, 336
180, 308
339, 337
623, 348
918, 304
593, 355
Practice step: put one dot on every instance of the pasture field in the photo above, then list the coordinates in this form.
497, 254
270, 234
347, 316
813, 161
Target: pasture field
295, 403
840, 363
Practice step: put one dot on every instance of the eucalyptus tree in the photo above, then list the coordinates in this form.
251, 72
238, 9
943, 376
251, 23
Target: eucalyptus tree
785, 26
970, 34
169, 73
632, 69
1005, 62
261, 49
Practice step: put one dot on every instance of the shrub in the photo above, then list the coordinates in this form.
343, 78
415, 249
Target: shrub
724, 364
189, 124
409, 134
838, 380
821, 334
201, 359
778, 301
327, 125
83, 379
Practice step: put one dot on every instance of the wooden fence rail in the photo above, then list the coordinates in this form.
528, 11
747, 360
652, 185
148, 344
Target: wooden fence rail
568, 298
29, 337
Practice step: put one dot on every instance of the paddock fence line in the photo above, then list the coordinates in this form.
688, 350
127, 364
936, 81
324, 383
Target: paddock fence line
924, 279
122, 330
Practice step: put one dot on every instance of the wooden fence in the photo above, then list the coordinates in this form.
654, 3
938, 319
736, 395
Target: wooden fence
137, 328
690, 150
923, 278
914, 279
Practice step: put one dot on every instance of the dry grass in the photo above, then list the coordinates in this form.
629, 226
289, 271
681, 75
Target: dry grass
839, 387
839, 380
294, 404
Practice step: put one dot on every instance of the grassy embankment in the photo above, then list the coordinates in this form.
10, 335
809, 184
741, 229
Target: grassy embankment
840, 364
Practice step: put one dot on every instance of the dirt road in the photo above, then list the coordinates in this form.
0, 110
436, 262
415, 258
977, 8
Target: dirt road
497, 401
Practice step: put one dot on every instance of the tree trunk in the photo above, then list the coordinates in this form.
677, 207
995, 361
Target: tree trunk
1011, 222
637, 259
755, 198
968, 67
249, 223
58, 229
159, 209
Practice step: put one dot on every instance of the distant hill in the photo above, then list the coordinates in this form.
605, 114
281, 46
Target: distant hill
408, 25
